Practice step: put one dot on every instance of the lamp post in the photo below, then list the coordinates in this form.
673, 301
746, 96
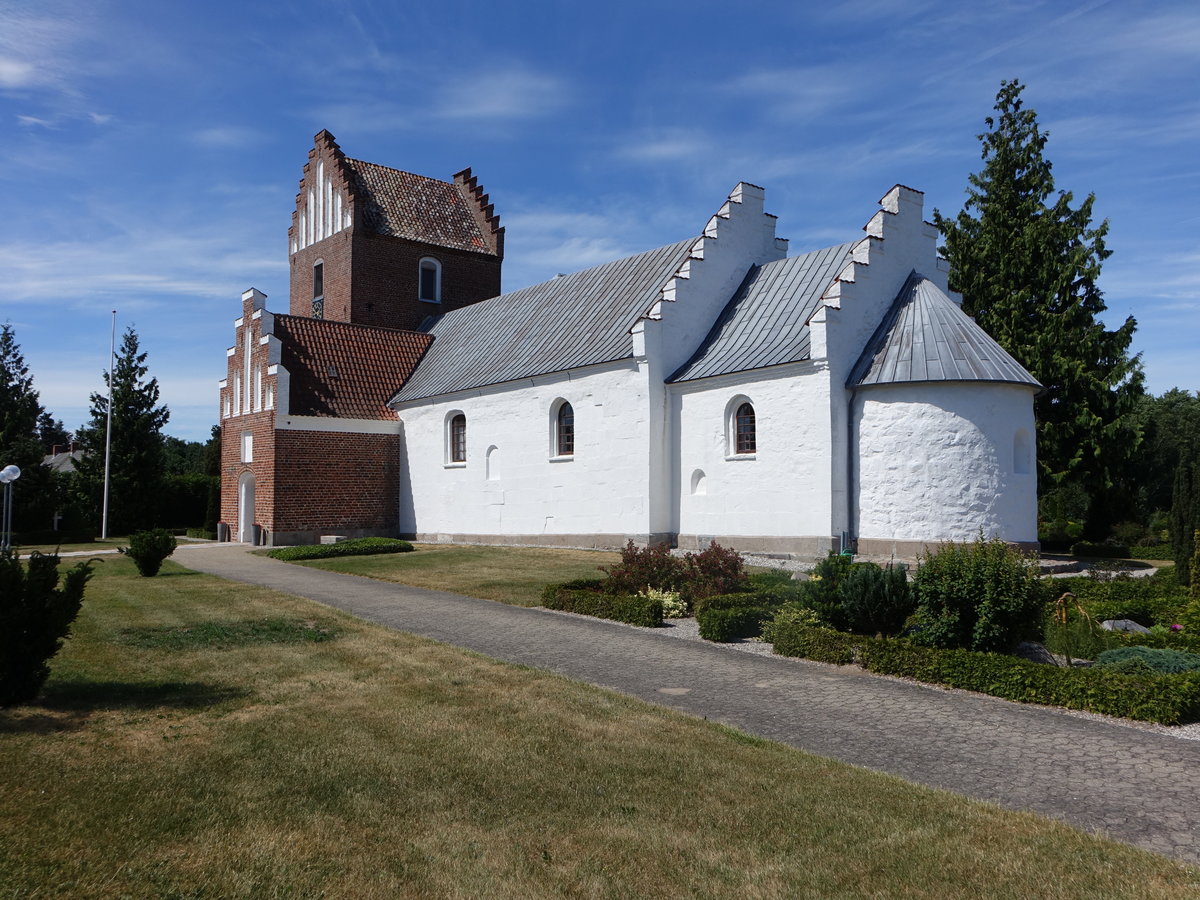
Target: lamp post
8, 475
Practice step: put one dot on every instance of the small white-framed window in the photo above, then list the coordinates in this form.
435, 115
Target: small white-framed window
247, 447
741, 429
562, 429
456, 439
429, 280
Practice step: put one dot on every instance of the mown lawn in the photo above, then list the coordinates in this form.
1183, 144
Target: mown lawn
513, 575
204, 739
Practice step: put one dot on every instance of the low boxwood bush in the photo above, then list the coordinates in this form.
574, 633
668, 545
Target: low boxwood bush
1163, 662
629, 608
354, 547
148, 549
1148, 601
725, 625
1166, 699
1155, 552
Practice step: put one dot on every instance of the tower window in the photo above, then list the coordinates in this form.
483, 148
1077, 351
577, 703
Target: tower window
430, 287
318, 296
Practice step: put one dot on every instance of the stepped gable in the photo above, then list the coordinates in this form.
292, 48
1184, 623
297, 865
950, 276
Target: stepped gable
766, 321
343, 370
400, 204
926, 337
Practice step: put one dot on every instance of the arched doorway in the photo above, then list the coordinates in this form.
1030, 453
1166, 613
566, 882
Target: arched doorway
245, 531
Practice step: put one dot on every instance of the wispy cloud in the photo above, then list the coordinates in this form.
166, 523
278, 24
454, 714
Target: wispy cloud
502, 93
223, 137
666, 145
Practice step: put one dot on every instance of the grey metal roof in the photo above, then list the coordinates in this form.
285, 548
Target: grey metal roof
765, 323
572, 320
925, 336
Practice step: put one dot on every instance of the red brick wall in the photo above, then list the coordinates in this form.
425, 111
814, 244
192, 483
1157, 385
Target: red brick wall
385, 273
336, 483
335, 253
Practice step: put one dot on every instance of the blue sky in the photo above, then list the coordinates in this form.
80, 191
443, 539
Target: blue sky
151, 151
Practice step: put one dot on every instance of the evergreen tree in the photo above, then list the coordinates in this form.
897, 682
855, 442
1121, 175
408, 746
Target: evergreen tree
33, 494
1185, 517
53, 433
1027, 263
137, 456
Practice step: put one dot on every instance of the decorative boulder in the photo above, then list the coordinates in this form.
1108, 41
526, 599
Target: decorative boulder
1124, 625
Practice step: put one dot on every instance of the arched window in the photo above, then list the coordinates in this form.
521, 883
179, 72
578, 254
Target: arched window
745, 440
1022, 452
318, 292
430, 286
458, 438
564, 430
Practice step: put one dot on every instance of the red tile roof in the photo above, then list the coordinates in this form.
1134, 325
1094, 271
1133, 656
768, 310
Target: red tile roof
401, 204
343, 370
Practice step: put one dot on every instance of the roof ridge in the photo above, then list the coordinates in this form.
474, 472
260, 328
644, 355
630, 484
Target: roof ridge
335, 323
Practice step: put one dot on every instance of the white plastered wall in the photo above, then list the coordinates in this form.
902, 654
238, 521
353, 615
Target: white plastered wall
941, 461
512, 484
782, 490
898, 241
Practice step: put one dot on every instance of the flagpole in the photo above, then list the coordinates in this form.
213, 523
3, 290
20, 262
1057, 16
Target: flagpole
112, 352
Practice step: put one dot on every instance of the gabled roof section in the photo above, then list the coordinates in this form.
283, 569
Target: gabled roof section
573, 320
343, 370
925, 336
400, 204
766, 322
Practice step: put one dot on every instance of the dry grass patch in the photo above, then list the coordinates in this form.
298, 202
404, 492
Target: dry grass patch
513, 575
376, 764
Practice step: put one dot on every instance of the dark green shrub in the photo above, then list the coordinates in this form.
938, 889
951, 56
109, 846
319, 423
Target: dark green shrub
354, 547
1154, 551
35, 616
1102, 551
1145, 600
876, 600
1163, 662
729, 601
1167, 699
629, 608
724, 625
771, 578
714, 570
148, 549
643, 567
982, 596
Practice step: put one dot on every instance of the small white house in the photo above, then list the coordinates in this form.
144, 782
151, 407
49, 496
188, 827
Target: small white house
719, 389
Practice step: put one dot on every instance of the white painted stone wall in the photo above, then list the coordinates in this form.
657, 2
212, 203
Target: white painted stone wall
936, 462
511, 483
782, 489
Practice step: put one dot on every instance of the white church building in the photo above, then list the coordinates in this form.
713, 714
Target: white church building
711, 389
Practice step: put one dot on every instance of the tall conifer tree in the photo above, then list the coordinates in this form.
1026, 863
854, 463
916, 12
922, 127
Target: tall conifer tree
20, 446
1027, 263
137, 444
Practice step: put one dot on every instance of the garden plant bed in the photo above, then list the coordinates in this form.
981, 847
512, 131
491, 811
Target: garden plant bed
376, 764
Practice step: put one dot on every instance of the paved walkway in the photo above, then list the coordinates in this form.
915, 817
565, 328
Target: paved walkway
1138, 786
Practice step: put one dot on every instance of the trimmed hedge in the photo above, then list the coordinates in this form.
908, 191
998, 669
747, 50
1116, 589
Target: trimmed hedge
1166, 699
582, 597
1090, 549
725, 625
355, 547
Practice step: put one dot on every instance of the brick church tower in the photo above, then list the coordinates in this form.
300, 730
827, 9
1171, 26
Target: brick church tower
309, 446
377, 246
